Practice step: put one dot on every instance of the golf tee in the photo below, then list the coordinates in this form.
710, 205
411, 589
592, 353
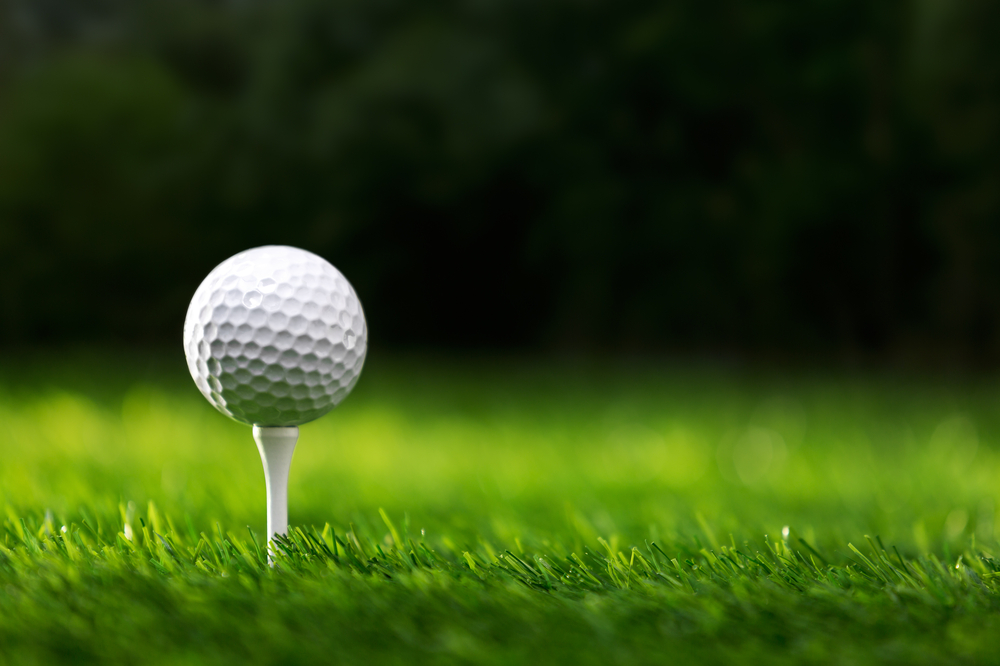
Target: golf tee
276, 445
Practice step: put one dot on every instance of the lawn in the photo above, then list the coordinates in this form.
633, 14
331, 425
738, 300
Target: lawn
504, 510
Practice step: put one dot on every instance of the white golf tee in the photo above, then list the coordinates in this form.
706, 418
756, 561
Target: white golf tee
276, 445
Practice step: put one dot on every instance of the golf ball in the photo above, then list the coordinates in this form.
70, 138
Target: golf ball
275, 336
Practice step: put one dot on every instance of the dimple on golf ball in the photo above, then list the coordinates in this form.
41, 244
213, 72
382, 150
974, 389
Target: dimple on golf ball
275, 336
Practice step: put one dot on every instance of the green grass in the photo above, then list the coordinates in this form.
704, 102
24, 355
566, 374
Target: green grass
504, 511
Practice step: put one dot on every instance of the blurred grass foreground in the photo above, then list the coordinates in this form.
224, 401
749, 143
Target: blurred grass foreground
498, 510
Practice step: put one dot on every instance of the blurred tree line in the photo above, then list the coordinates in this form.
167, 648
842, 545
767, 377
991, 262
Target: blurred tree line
753, 175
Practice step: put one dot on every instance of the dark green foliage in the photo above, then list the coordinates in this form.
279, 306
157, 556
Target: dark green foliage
752, 175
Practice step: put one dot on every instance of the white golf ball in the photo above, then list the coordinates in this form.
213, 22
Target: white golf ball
275, 336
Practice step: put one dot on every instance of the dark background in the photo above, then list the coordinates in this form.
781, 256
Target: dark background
817, 177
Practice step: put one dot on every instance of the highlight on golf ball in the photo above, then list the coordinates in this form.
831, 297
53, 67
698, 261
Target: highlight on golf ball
275, 336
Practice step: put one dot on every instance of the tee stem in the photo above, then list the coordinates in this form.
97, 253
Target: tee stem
276, 445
